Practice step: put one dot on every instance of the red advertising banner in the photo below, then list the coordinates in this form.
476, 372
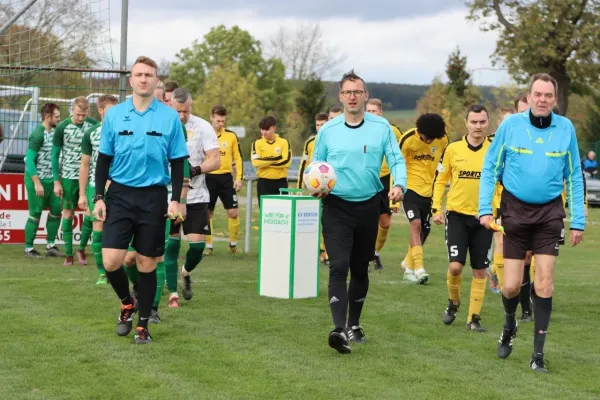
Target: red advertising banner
14, 213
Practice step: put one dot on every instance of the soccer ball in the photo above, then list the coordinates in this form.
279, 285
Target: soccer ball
319, 177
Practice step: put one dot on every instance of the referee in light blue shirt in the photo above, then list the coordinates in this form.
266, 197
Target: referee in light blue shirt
354, 144
139, 139
536, 154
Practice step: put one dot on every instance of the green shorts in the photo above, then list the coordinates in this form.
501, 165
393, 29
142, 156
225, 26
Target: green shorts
38, 204
70, 193
167, 230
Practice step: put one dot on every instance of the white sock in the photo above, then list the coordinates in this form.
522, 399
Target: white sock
49, 246
233, 244
409, 271
376, 254
209, 246
28, 249
175, 294
420, 271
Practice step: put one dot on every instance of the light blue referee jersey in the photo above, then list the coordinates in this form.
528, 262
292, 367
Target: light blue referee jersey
142, 143
356, 154
534, 165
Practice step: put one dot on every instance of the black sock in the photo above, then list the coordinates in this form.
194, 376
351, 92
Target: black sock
526, 290
338, 301
510, 307
357, 292
146, 293
543, 309
119, 282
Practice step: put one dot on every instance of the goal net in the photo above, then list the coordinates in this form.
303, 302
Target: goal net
49, 54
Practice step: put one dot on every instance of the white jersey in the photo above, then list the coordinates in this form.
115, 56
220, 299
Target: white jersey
201, 137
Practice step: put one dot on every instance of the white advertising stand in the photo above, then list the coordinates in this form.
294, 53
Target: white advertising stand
288, 254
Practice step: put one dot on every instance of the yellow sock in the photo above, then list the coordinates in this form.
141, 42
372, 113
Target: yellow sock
209, 241
382, 235
233, 224
322, 243
454, 283
417, 256
499, 268
477, 295
408, 260
532, 269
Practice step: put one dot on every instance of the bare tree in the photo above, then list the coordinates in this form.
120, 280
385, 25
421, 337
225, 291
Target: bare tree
305, 52
163, 67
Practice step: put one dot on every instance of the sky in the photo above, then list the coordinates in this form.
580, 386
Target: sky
398, 41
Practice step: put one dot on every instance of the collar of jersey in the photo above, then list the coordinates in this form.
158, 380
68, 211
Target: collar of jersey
528, 116
474, 148
131, 107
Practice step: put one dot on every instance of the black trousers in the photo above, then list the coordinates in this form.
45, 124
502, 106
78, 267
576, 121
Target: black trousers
349, 232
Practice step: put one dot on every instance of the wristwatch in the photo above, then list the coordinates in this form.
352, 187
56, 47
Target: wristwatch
98, 197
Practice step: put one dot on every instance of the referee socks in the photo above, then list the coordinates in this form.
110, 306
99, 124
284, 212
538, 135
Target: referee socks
120, 284
510, 308
543, 310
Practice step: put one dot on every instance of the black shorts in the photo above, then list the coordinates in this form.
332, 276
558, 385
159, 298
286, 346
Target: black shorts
197, 220
417, 207
220, 186
138, 213
465, 234
266, 187
384, 207
535, 227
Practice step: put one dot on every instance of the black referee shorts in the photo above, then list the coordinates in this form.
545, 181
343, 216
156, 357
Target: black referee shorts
138, 213
384, 207
464, 234
350, 231
535, 227
220, 186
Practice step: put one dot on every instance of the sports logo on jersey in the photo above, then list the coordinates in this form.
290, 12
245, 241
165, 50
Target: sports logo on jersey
433, 149
469, 174
224, 145
277, 150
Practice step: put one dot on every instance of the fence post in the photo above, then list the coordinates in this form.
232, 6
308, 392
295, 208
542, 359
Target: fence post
248, 217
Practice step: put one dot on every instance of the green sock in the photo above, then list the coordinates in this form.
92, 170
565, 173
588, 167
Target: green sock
97, 247
194, 255
160, 283
31, 227
86, 231
52, 225
132, 274
67, 230
171, 255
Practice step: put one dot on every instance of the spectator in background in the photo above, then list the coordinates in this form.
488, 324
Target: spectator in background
1, 134
590, 164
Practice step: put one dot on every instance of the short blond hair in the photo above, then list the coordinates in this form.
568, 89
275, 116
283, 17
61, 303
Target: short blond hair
376, 102
82, 103
106, 99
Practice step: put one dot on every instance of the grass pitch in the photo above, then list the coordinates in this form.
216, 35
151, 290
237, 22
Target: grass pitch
59, 340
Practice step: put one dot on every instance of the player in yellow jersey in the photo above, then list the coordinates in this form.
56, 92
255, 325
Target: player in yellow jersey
461, 165
422, 148
307, 155
375, 106
496, 272
220, 183
335, 111
271, 156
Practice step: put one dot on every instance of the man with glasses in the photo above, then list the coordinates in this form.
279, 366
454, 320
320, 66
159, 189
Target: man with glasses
354, 145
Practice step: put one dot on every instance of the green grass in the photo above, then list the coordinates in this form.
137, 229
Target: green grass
59, 341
